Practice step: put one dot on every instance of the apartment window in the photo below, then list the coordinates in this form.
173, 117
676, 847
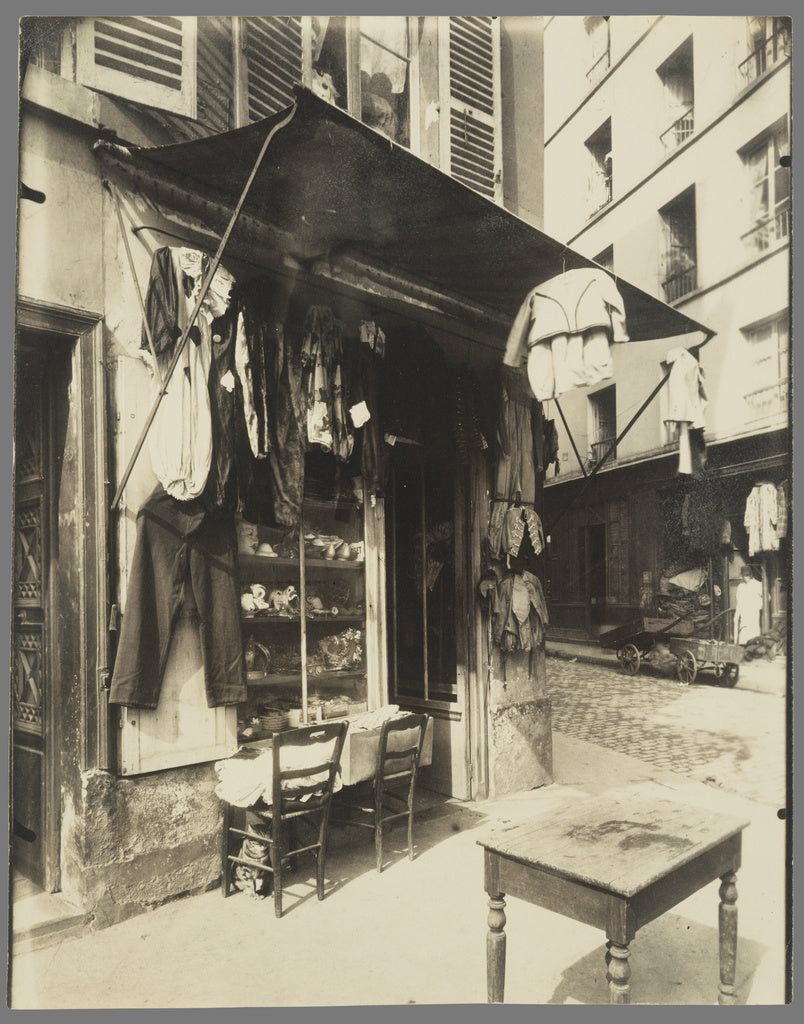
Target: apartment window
597, 31
768, 345
768, 41
678, 270
676, 75
599, 180
602, 424
363, 65
769, 185
605, 259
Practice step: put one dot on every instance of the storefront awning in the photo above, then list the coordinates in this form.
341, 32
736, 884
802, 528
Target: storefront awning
336, 188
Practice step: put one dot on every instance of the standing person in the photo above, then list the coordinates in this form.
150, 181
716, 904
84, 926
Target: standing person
748, 607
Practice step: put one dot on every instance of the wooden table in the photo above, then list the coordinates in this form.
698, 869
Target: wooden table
615, 863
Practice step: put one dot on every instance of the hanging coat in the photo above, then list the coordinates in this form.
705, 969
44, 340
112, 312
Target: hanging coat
563, 329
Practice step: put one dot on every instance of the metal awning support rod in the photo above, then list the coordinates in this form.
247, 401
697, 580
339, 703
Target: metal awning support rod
571, 438
124, 235
574, 501
213, 269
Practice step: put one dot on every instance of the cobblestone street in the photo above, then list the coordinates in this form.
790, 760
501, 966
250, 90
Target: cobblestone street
730, 738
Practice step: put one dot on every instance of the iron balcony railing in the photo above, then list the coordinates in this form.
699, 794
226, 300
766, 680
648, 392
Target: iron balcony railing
770, 400
599, 449
772, 229
679, 131
774, 49
680, 284
599, 69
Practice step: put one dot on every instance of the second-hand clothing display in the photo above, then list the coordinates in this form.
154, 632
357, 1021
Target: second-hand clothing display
761, 519
520, 444
563, 330
181, 442
518, 609
686, 402
183, 553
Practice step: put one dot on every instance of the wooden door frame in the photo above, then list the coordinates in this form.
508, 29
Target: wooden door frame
83, 330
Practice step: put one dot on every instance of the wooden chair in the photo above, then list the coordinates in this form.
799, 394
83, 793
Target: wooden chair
298, 793
394, 784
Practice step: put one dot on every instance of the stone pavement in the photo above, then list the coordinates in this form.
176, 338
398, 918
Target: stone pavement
416, 933
730, 738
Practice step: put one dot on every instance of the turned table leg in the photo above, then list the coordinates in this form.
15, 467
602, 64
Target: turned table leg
727, 927
618, 973
495, 949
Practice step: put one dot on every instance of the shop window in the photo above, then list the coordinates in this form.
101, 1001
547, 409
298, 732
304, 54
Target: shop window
421, 582
602, 424
768, 375
149, 60
678, 269
768, 41
599, 179
676, 75
474, 154
605, 259
769, 189
597, 32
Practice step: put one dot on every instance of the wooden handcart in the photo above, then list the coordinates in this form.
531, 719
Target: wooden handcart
635, 640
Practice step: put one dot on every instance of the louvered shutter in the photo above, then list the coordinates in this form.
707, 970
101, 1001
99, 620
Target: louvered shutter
151, 60
474, 136
273, 47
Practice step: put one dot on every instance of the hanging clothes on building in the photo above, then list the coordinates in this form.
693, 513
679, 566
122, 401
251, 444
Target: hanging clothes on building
761, 518
182, 554
563, 330
271, 437
550, 448
686, 402
515, 477
466, 428
518, 610
180, 438
362, 363
322, 383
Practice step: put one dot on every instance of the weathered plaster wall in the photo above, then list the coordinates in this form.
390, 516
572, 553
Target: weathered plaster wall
131, 844
520, 727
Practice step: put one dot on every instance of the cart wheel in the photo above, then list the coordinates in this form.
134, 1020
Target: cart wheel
629, 658
686, 667
732, 674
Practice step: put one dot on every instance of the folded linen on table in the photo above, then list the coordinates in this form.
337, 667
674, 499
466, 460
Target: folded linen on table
244, 781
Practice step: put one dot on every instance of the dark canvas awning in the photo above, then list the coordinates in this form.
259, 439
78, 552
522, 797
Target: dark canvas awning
335, 187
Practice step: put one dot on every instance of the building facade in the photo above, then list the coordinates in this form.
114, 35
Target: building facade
667, 161
114, 805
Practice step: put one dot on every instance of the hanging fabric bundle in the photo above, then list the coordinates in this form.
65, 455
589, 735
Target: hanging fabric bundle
563, 330
180, 441
686, 402
322, 381
761, 519
518, 610
518, 430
